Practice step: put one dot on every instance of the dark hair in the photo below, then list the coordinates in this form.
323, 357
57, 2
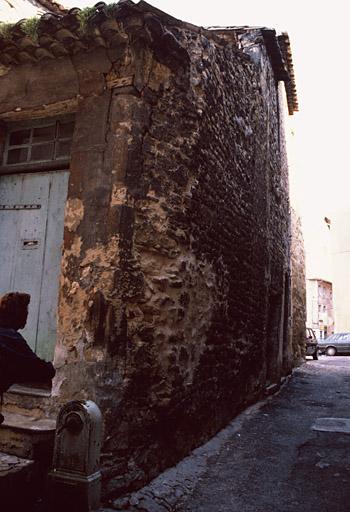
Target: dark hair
14, 310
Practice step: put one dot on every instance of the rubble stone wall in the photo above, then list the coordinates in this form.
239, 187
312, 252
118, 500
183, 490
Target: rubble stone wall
298, 289
205, 273
174, 303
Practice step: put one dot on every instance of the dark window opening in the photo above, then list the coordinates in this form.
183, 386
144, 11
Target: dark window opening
42, 142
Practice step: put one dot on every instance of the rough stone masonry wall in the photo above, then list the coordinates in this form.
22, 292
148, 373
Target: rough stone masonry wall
207, 246
298, 288
176, 237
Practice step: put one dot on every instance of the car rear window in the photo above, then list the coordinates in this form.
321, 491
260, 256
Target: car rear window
343, 336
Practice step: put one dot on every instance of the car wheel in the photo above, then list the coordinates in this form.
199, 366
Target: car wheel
315, 356
330, 351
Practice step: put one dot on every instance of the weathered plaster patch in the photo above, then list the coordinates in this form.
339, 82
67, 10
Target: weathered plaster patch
159, 76
170, 316
72, 307
93, 354
98, 265
74, 288
4, 70
151, 194
59, 378
74, 213
103, 255
119, 152
85, 272
114, 80
75, 248
119, 195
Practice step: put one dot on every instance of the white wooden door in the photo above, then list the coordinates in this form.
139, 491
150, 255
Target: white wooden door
31, 235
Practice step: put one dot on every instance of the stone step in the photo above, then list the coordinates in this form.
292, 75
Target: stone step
29, 401
18, 482
27, 437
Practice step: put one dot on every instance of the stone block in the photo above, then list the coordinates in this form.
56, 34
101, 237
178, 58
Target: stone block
18, 479
27, 437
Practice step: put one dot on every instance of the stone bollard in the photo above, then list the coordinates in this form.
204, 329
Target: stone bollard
75, 478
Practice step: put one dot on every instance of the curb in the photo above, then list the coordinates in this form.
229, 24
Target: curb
164, 493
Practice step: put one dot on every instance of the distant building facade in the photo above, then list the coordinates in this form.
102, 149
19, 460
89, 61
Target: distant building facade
320, 314
340, 247
328, 258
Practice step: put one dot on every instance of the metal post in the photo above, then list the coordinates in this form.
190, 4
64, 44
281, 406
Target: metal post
75, 479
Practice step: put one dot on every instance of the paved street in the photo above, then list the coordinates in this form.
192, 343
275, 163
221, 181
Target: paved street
276, 462
269, 458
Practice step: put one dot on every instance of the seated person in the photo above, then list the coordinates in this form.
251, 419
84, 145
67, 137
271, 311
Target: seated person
18, 362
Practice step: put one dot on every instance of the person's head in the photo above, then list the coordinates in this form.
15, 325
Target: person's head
14, 310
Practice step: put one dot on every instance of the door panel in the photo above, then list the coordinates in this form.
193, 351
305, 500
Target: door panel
47, 318
31, 231
8, 232
346, 346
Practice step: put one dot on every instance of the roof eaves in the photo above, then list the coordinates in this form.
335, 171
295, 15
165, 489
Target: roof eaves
274, 51
279, 50
58, 35
52, 6
319, 279
290, 84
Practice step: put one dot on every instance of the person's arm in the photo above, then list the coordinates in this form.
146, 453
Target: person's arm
28, 365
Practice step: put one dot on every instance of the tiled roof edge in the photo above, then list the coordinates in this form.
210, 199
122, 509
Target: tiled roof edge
59, 33
52, 6
290, 84
54, 35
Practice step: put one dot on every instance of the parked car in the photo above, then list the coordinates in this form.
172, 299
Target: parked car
338, 343
311, 343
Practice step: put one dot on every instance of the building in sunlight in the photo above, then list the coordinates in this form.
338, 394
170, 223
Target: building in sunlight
320, 314
327, 270
340, 248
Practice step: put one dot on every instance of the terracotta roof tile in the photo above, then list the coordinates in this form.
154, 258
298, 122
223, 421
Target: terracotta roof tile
15, 10
291, 89
60, 32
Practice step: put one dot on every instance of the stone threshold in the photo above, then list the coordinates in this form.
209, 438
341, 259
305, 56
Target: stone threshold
12, 463
20, 422
29, 391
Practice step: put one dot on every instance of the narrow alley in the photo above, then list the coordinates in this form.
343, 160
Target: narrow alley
175, 244
270, 458
277, 462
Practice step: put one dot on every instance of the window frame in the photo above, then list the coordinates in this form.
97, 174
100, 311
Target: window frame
38, 165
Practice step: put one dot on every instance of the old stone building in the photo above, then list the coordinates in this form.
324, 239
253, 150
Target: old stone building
152, 151
320, 314
298, 288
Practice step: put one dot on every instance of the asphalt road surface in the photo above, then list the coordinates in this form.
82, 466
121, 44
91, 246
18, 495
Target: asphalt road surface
277, 461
